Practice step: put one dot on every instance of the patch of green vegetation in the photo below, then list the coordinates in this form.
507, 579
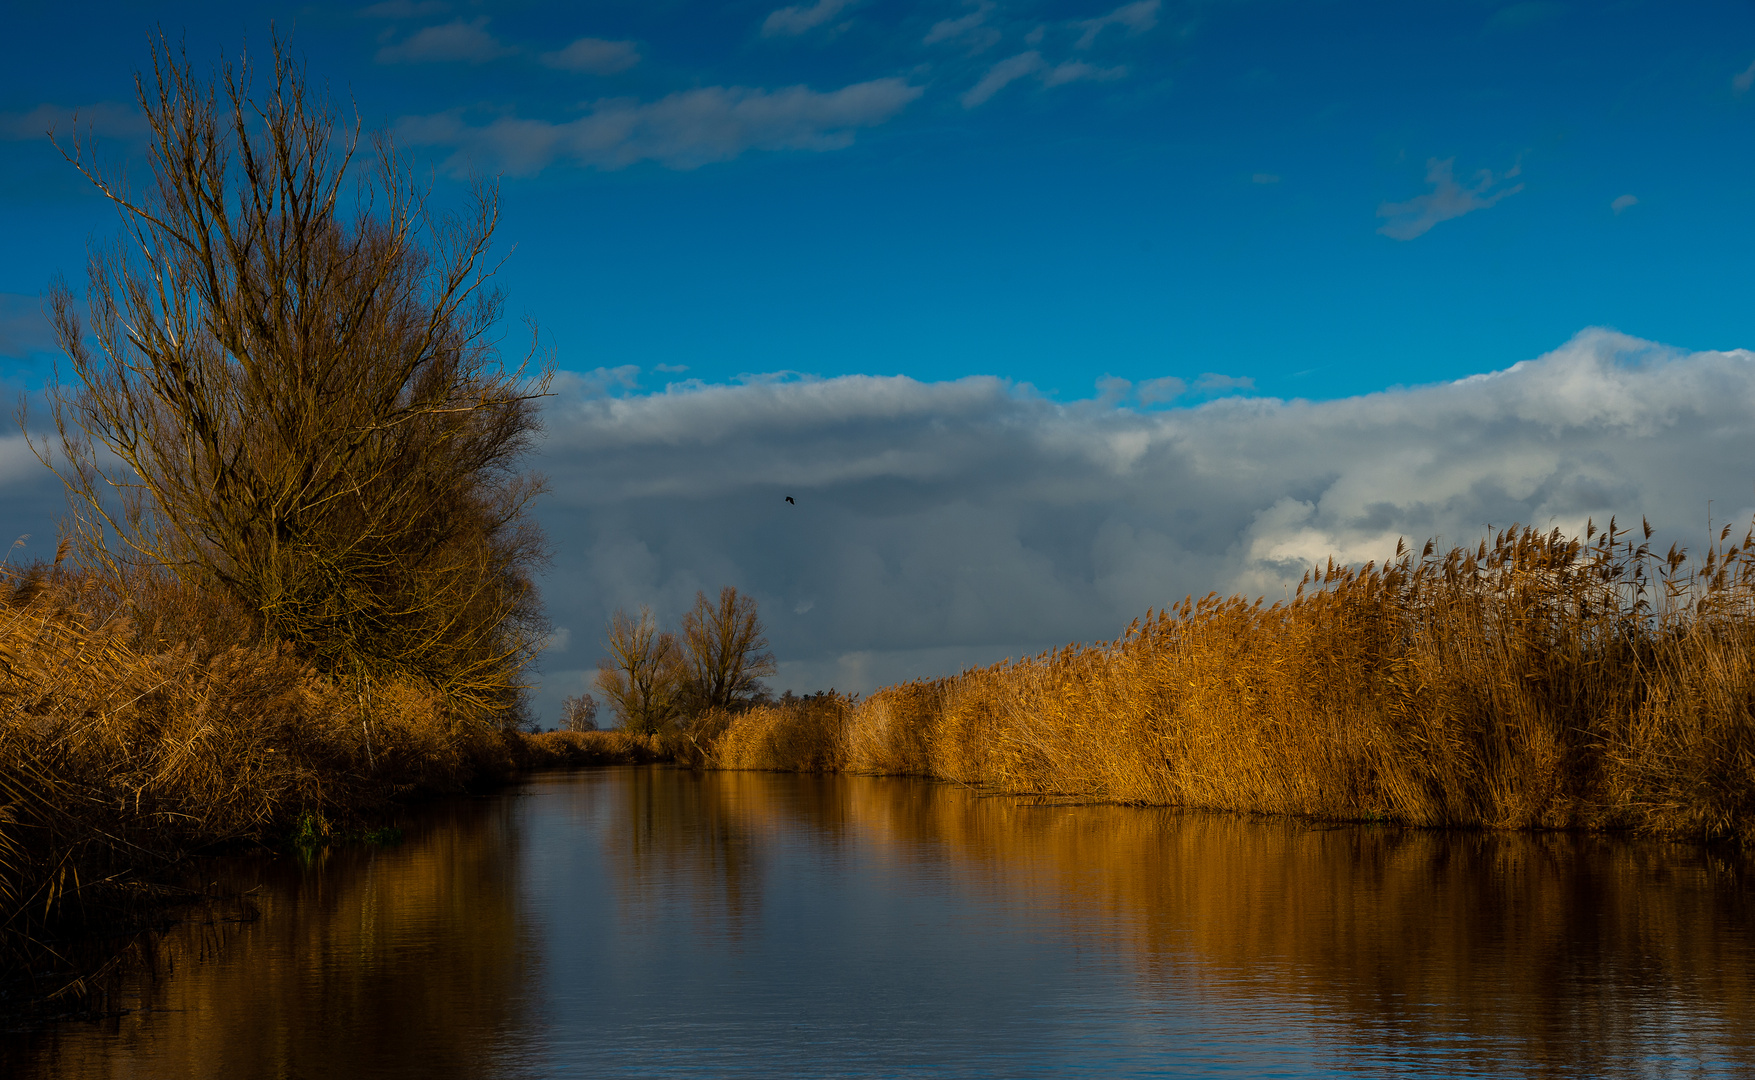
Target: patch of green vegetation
314, 831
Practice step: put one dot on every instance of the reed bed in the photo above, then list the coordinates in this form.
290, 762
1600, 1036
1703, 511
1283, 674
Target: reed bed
136, 729
569, 749
1535, 681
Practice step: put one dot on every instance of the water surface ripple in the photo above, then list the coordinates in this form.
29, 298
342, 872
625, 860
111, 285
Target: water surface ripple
656, 922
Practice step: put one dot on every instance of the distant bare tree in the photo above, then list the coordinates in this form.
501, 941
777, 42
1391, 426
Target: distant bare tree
641, 676
579, 713
294, 396
724, 652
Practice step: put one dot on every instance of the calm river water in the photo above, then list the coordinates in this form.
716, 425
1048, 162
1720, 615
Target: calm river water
657, 922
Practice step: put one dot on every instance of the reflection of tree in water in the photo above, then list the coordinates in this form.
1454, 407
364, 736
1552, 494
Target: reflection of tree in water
415, 960
701, 842
677, 840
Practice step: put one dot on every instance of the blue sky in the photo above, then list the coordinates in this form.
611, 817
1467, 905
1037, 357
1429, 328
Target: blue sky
1199, 188
1045, 312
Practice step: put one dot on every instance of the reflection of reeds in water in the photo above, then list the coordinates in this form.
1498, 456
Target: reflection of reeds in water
1553, 947
1538, 681
414, 960
1543, 954
1512, 950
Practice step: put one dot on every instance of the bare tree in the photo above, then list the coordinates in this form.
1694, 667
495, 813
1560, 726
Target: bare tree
641, 676
724, 652
290, 392
579, 713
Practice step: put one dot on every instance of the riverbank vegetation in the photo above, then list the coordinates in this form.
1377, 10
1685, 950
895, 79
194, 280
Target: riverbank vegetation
295, 579
1535, 681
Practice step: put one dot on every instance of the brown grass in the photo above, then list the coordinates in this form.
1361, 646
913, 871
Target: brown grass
1537, 681
136, 730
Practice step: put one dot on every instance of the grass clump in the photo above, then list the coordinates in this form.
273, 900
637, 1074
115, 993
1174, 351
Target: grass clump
1535, 681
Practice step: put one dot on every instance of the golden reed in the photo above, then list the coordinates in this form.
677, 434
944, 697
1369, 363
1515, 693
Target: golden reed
137, 729
1537, 681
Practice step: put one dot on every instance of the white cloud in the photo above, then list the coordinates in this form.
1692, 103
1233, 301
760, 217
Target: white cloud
939, 524
683, 131
1135, 18
106, 119
1264, 178
792, 21
594, 55
1622, 202
1743, 80
468, 42
1447, 199
1001, 75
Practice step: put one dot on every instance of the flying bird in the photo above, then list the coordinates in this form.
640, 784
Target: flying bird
789, 499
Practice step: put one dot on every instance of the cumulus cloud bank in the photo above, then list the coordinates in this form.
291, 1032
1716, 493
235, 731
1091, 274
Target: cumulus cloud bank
939, 524
683, 130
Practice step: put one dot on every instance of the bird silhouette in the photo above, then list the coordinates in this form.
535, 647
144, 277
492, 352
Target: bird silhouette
789, 499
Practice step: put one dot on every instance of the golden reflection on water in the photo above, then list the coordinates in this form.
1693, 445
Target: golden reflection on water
413, 959
1508, 949
1568, 949
1532, 954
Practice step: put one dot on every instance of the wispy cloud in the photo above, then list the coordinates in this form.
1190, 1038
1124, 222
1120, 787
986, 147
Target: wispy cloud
1448, 199
971, 28
1214, 383
940, 524
1743, 80
106, 119
1135, 18
1622, 202
683, 131
1079, 71
792, 21
1159, 391
459, 41
1001, 75
24, 330
595, 56
404, 9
